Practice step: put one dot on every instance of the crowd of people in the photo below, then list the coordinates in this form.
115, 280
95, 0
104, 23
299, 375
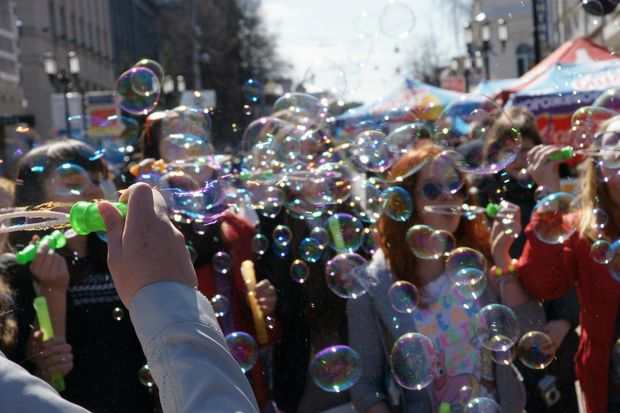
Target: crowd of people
554, 288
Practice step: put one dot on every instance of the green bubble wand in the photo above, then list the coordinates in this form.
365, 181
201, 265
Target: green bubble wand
83, 218
45, 323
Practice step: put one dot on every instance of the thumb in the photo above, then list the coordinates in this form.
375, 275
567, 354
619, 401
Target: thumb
115, 224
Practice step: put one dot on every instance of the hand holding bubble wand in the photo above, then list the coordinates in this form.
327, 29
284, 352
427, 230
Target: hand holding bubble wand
249, 277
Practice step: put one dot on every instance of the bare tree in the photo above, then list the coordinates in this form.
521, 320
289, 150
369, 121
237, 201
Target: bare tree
426, 62
457, 8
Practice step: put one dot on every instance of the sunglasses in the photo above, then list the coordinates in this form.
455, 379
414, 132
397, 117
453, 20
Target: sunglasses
431, 191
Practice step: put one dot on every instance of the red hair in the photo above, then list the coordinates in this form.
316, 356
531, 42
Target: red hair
401, 260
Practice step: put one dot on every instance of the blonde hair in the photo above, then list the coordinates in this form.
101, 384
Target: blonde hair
593, 194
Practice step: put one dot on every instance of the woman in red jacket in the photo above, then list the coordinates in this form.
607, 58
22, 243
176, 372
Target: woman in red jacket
548, 271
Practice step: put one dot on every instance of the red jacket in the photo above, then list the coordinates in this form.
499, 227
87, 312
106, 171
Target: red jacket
550, 271
237, 235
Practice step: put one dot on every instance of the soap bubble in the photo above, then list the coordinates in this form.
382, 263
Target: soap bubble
115, 138
137, 91
442, 243
535, 350
187, 120
404, 296
413, 361
345, 232
464, 257
325, 76
70, 180
243, 348
418, 238
282, 235
610, 99
253, 90
601, 251
369, 245
556, 223
330, 183
368, 198
118, 313
505, 357
497, 327
281, 251
260, 244
482, 405
299, 271
472, 116
310, 250
265, 199
469, 282
220, 305
307, 108
397, 20
600, 218
397, 204
444, 173
221, 262
614, 263
145, 377
406, 137
179, 146
321, 235
336, 368
153, 66
370, 151
344, 274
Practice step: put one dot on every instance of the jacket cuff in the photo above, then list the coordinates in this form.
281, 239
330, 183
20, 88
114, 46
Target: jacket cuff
160, 305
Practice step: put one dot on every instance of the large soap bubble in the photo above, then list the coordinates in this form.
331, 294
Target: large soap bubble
471, 117
336, 368
413, 361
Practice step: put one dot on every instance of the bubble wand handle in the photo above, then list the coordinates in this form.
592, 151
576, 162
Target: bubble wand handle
45, 323
492, 210
249, 277
565, 153
334, 229
85, 218
55, 240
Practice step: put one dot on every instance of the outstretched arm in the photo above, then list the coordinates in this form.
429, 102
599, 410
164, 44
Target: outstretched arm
155, 279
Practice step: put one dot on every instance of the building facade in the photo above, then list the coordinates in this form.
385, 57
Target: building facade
570, 20
134, 32
108, 36
515, 56
11, 95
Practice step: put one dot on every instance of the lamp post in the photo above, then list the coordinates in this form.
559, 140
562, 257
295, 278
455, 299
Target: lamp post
480, 53
60, 80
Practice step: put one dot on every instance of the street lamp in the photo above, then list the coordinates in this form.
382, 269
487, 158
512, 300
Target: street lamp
58, 78
481, 53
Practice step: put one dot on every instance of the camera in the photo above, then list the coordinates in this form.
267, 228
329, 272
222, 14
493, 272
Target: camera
548, 390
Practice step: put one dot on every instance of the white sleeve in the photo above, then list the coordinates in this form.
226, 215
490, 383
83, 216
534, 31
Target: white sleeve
20, 391
186, 351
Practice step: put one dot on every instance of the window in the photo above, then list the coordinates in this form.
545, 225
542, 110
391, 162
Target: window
74, 33
52, 11
524, 58
82, 37
63, 22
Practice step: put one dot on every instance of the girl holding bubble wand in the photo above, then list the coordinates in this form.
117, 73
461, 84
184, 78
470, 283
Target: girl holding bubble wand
83, 303
515, 185
437, 306
572, 250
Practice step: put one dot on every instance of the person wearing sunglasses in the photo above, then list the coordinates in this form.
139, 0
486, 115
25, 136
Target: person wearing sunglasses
442, 314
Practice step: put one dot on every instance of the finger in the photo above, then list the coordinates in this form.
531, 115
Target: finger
55, 359
35, 239
62, 368
115, 224
55, 348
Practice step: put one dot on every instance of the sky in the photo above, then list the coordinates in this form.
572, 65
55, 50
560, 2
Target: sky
355, 46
